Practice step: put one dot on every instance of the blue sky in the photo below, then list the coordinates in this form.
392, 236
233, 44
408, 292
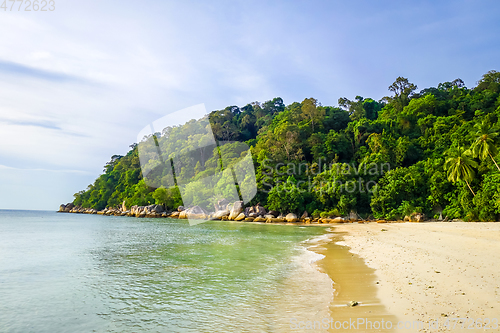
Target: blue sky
79, 83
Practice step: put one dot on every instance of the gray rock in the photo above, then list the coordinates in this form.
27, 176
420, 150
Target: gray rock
237, 209
221, 204
219, 214
274, 213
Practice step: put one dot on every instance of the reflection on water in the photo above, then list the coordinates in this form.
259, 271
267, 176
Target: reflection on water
72, 272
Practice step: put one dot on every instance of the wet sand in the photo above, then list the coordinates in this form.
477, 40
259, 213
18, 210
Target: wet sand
352, 280
426, 272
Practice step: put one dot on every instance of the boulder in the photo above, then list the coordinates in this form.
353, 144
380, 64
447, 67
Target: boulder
291, 217
181, 208
240, 217
259, 219
61, 208
257, 210
196, 210
237, 210
124, 208
219, 214
249, 219
221, 205
269, 216
159, 209
304, 215
274, 213
183, 214
175, 215
330, 220
260, 210
274, 220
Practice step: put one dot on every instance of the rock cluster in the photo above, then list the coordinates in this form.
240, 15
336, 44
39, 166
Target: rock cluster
225, 211
137, 211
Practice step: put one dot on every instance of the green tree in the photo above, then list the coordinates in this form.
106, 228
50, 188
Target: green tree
402, 90
286, 197
486, 141
311, 111
460, 165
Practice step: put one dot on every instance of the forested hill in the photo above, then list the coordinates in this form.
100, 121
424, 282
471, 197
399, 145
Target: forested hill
416, 151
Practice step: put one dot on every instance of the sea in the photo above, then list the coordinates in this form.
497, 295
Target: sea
63, 272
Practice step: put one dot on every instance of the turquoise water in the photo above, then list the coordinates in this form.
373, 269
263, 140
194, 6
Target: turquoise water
85, 273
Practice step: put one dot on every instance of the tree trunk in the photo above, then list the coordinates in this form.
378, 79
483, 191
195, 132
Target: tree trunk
470, 188
494, 161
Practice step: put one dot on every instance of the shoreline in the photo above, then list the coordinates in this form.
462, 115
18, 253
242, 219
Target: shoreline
427, 272
352, 281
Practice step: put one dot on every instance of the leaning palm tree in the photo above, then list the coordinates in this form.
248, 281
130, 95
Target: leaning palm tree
487, 138
460, 165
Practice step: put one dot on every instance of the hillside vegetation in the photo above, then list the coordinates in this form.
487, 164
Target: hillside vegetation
415, 151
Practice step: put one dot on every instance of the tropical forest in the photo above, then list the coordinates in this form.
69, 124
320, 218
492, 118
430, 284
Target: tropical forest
433, 151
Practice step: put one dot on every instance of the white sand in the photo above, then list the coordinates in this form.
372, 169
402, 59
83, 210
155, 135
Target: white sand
428, 271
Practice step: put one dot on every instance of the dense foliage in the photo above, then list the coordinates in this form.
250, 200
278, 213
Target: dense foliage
426, 152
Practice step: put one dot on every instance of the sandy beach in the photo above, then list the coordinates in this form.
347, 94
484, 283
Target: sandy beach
421, 275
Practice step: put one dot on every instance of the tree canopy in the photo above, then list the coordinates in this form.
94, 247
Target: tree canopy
429, 151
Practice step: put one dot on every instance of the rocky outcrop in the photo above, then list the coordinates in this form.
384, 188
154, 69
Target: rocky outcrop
274, 213
275, 220
236, 210
227, 211
221, 205
146, 211
196, 213
414, 217
219, 214
291, 217
66, 208
240, 217
330, 220
255, 211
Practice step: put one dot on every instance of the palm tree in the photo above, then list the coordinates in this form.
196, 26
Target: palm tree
486, 142
459, 165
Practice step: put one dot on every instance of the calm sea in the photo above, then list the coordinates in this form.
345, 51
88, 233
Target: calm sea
90, 273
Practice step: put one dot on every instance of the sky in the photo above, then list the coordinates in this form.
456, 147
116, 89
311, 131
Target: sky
77, 84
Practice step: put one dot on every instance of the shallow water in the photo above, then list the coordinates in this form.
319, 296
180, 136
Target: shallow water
84, 273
